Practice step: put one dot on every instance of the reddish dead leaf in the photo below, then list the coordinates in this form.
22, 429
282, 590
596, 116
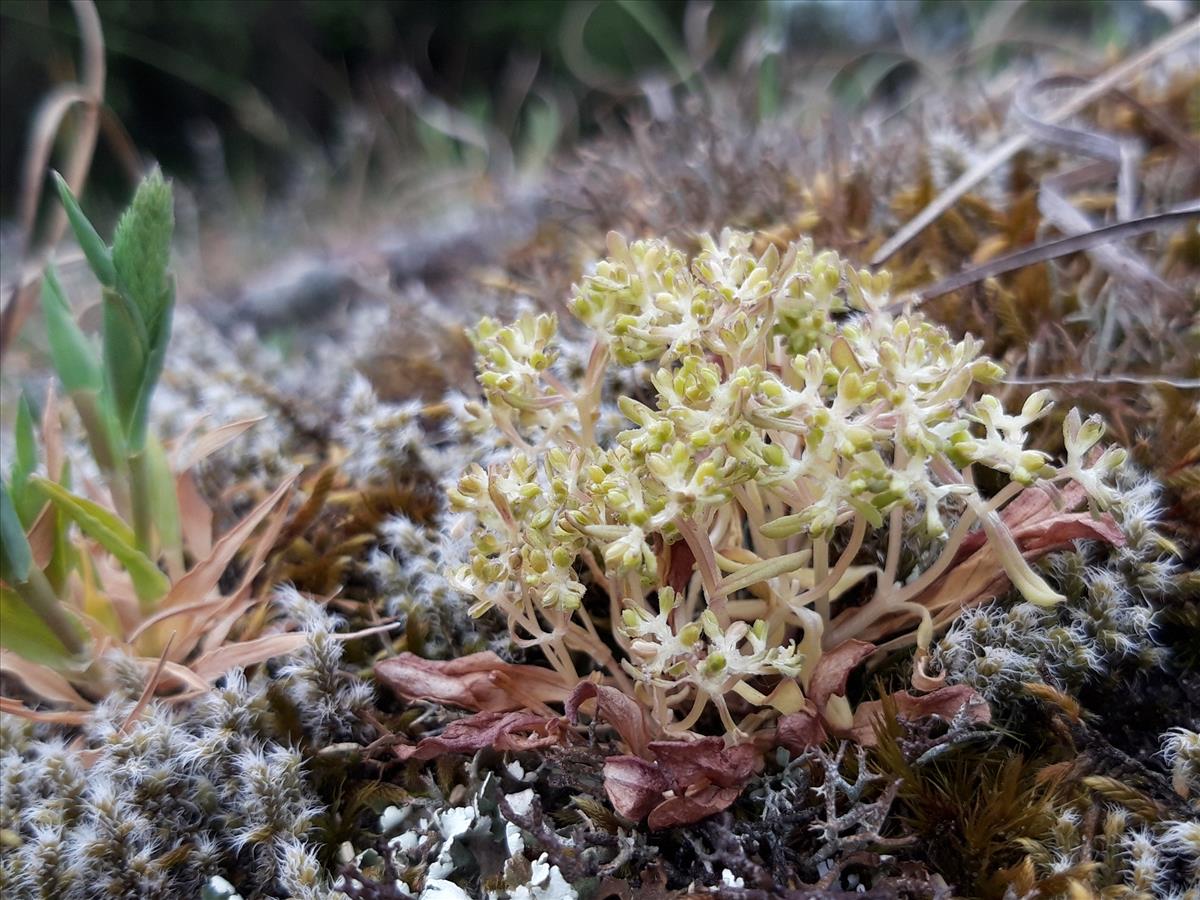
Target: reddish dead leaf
1061, 531
677, 811
634, 786
1040, 523
195, 516
52, 440
205, 575
944, 703
687, 762
651, 885
512, 731
208, 444
980, 576
833, 670
800, 731
1042, 515
42, 534
809, 727
619, 710
921, 679
242, 654
687, 782
675, 564
57, 717
480, 681
41, 680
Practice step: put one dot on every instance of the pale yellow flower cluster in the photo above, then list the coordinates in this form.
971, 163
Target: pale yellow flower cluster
790, 413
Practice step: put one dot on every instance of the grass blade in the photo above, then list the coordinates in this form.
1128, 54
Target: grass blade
113, 535
16, 558
27, 635
75, 359
97, 253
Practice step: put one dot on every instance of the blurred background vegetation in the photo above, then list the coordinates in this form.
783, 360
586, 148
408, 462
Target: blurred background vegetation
249, 95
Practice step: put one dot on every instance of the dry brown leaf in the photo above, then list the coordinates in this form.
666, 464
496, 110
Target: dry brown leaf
195, 517
57, 717
634, 786
213, 441
214, 664
944, 703
43, 681
621, 711
688, 780
213, 631
204, 576
511, 731
52, 443
480, 681
41, 536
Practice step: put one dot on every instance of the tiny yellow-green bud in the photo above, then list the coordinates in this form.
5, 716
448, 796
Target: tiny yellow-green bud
774, 455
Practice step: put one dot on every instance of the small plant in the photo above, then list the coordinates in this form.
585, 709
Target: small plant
799, 440
111, 394
139, 578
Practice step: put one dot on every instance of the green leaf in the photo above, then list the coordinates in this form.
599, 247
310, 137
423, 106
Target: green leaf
114, 535
75, 359
25, 500
16, 557
64, 556
27, 635
873, 516
26, 447
94, 249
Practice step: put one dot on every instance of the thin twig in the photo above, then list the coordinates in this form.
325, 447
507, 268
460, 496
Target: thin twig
1183, 34
1053, 249
1107, 378
89, 94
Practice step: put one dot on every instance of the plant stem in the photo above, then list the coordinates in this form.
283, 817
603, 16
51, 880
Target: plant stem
140, 482
820, 573
37, 592
100, 441
698, 541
